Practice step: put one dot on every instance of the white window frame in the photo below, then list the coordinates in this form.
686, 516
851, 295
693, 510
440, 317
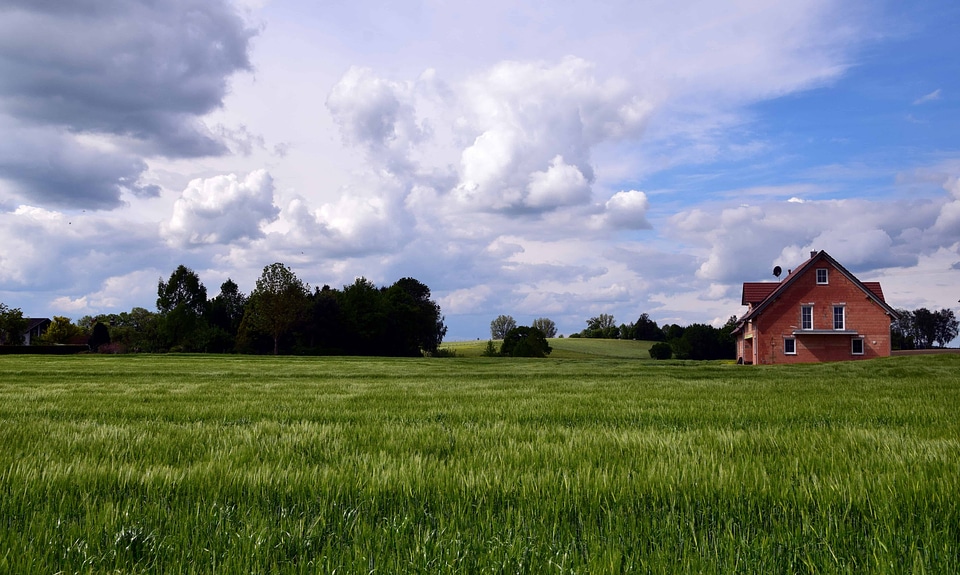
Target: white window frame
803, 325
826, 276
853, 349
843, 317
793, 342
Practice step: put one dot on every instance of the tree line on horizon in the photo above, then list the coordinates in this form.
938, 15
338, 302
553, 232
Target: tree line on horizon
922, 328
697, 341
281, 315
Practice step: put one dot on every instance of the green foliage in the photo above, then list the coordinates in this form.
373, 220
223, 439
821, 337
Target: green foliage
444, 352
98, 337
135, 331
661, 350
672, 332
646, 329
947, 327
203, 464
182, 302
546, 326
501, 325
183, 291
360, 319
525, 342
281, 313
60, 330
700, 341
491, 350
602, 326
414, 321
921, 328
12, 325
363, 312
224, 315
277, 304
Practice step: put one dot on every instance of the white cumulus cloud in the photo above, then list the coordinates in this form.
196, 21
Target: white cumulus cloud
626, 210
530, 128
222, 209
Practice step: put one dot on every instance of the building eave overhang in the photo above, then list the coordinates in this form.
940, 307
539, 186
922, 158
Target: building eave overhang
825, 332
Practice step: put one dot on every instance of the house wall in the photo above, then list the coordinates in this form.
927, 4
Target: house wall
781, 319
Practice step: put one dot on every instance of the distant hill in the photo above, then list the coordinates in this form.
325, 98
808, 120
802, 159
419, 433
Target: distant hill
568, 348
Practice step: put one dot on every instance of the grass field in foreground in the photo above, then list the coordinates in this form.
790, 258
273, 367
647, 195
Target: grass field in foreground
203, 464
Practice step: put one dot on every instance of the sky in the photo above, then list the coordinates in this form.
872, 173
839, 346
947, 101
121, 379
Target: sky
528, 158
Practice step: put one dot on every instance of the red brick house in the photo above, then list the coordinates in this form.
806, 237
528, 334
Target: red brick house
819, 312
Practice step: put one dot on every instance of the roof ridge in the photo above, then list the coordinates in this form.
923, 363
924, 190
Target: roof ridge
877, 294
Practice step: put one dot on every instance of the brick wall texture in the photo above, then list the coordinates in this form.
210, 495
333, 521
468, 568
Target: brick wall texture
781, 319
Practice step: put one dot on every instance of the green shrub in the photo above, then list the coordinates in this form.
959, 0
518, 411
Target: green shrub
661, 350
491, 349
525, 342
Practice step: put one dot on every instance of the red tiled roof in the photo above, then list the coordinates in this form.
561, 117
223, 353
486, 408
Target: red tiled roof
875, 289
756, 292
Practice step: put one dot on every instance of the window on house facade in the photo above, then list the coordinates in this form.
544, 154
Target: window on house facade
838, 317
822, 276
790, 345
856, 346
806, 317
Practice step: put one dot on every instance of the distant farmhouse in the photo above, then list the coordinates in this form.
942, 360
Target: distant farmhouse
819, 312
36, 327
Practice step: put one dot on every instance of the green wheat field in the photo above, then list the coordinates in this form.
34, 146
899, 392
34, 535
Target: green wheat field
574, 464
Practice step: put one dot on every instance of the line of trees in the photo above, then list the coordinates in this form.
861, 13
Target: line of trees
281, 315
922, 328
696, 341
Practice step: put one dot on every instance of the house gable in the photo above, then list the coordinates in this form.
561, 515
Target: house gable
819, 312
36, 327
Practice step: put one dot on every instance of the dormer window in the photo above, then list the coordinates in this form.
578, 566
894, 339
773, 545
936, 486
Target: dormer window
822, 276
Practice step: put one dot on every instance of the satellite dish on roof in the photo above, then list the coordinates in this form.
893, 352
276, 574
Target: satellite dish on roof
777, 271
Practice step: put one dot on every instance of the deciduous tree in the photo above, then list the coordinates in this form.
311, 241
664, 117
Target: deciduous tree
224, 315
501, 325
184, 290
924, 327
901, 330
646, 329
277, 303
12, 325
61, 329
602, 326
364, 314
415, 322
182, 302
546, 326
946, 327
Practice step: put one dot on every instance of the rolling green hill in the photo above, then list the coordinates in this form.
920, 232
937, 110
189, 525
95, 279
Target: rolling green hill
568, 348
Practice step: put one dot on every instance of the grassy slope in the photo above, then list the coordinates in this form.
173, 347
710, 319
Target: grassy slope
568, 348
298, 465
